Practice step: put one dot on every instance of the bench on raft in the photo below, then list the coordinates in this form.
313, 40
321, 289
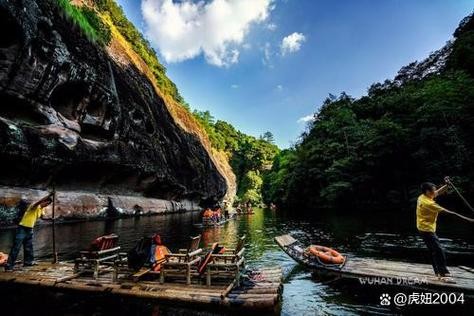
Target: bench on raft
102, 254
227, 265
186, 264
183, 265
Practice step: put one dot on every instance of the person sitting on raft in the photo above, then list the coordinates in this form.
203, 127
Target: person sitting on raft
427, 211
217, 214
158, 253
207, 213
24, 232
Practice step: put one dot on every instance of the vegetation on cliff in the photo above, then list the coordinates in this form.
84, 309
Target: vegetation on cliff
379, 147
88, 21
140, 45
248, 156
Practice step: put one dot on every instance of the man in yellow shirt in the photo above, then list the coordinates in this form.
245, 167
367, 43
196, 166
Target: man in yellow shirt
427, 211
24, 233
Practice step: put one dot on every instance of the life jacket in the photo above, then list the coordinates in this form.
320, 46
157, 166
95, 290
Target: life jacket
207, 213
159, 257
3, 259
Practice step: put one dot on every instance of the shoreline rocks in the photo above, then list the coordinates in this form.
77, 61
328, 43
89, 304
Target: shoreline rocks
89, 205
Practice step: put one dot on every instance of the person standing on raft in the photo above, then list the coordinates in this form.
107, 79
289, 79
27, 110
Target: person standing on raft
24, 232
427, 211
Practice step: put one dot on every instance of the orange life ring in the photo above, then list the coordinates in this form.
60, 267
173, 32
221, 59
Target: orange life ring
326, 254
3, 258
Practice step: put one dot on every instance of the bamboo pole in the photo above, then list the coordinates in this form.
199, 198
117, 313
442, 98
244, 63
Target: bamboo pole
55, 253
460, 195
228, 289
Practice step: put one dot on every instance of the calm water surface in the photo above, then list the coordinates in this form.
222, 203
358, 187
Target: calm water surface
380, 235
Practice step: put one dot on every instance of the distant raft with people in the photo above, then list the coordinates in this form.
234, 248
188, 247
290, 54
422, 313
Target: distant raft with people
245, 211
213, 218
213, 222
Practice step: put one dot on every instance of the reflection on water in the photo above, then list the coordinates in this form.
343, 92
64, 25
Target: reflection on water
386, 235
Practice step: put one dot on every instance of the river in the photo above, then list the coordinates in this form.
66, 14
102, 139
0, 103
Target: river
388, 235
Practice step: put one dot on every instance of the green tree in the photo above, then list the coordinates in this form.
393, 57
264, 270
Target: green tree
268, 137
374, 151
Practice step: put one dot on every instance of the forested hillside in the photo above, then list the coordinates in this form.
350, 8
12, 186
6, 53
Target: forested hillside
374, 151
250, 157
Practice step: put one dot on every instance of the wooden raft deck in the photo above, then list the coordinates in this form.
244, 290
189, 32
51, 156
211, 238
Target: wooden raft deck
261, 295
384, 272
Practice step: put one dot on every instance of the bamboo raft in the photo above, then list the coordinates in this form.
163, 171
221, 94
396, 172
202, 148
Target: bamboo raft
261, 294
383, 272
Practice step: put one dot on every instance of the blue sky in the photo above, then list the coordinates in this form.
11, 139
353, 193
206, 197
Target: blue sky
233, 60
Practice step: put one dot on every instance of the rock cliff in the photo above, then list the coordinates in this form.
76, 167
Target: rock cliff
90, 119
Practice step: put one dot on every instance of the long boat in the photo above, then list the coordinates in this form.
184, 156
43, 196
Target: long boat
368, 271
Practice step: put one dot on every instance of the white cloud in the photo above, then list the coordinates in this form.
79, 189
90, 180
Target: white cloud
271, 26
306, 119
292, 43
234, 86
267, 55
279, 87
216, 28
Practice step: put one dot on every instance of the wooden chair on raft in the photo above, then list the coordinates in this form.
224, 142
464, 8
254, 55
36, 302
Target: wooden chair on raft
102, 254
183, 263
227, 265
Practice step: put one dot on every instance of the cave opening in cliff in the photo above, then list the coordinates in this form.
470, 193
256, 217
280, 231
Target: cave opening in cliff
11, 34
94, 123
20, 111
76, 102
94, 132
97, 109
70, 99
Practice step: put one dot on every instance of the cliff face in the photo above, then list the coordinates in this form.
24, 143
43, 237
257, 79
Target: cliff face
89, 119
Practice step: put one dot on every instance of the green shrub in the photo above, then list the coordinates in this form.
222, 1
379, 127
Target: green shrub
141, 46
88, 21
102, 30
